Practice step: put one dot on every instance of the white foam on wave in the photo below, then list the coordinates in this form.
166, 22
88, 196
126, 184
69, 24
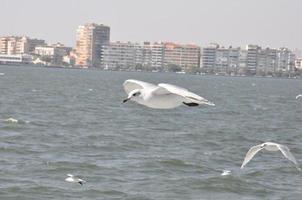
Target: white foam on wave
15, 121
225, 173
10, 120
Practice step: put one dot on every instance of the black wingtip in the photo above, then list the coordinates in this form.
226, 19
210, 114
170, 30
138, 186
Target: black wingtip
80, 182
190, 104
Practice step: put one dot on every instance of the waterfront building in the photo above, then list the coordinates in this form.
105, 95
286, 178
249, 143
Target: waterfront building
121, 55
298, 64
12, 45
286, 60
209, 57
220, 60
233, 60
154, 55
90, 40
52, 54
187, 57
16, 59
150, 56
252, 58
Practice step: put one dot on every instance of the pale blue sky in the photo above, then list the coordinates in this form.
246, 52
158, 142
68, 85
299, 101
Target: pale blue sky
273, 23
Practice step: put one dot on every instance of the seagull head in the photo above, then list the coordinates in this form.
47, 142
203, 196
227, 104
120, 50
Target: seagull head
133, 94
263, 145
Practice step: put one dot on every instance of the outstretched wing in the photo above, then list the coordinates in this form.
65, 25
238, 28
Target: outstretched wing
287, 154
132, 84
298, 96
189, 96
250, 154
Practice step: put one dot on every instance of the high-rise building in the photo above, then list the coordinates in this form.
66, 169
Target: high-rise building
154, 54
121, 55
12, 45
209, 57
286, 60
89, 43
187, 57
252, 58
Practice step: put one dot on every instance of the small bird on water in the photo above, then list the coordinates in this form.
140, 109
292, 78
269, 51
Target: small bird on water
74, 179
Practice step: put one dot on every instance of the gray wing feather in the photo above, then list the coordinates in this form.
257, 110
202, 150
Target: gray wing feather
287, 154
188, 96
250, 154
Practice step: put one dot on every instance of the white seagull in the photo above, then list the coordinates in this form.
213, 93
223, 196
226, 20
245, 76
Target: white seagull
298, 96
270, 146
74, 179
161, 96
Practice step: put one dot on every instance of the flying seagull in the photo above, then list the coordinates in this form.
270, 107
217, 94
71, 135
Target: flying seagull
161, 96
270, 146
74, 179
298, 96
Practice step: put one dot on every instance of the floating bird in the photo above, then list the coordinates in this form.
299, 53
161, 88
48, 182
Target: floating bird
298, 96
2, 74
270, 146
161, 96
74, 179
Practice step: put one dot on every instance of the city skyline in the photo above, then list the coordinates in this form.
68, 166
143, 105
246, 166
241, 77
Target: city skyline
269, 23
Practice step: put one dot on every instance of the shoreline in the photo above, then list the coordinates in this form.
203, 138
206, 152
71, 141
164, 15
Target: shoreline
144, 71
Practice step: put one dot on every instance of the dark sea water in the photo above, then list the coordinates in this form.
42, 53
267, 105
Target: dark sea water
73, 121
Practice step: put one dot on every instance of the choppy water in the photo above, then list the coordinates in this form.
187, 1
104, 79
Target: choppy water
73, 121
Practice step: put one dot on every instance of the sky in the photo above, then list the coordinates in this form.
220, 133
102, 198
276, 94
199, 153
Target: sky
269, 23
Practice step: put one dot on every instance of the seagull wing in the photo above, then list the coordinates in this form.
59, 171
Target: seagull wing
299, 95
190, 97
70, 175
250, 154
131, 84
287, 154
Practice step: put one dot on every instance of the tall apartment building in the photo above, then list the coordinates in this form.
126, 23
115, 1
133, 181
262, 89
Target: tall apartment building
209, 57
150, 56
298, 64
154, 54
185, 56
12, 45
286, 60
121, 55
252, 60
90, 40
